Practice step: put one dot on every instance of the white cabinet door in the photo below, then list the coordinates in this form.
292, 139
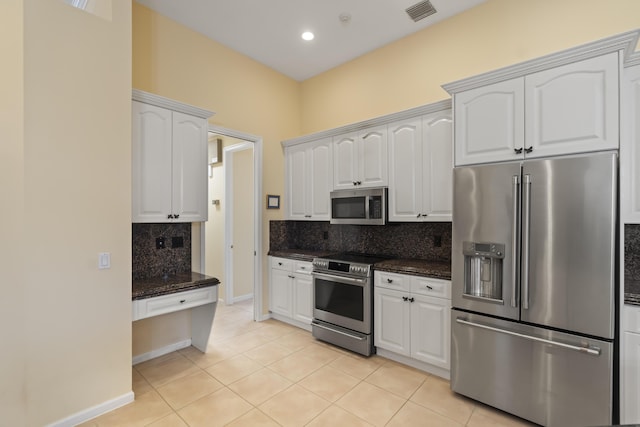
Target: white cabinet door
297, 171
437, 166
489, 123
345, 161
630, 145
392, 321
573, 108
303, 298
309, 180
372, 161
281, 292
189, 189
321, 180
405, 170
151, 161
430, 330
631, 378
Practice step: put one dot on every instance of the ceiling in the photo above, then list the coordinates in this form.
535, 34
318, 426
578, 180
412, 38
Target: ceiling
270, 31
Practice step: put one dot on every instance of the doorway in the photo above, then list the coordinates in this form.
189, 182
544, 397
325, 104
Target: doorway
232, 236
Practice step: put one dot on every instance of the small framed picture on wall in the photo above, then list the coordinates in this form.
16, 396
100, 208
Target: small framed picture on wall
273, 202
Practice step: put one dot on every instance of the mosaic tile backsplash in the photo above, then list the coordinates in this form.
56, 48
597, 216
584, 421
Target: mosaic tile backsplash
401, 240
149, 261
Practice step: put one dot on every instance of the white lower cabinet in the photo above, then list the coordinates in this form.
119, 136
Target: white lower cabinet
411, 320
290, 291
630, 369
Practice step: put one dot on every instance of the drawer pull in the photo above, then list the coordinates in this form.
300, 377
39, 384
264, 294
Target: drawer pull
429, 287
182, 301
389, 280
279, 263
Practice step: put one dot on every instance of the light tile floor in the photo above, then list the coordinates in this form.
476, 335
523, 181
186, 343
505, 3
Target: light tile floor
272, 374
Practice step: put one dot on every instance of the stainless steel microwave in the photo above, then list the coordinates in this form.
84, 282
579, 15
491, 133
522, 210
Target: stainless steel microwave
365, 206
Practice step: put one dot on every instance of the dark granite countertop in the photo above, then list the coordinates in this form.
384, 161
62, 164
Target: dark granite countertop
156, 286
631, 291
416, 267
299, 254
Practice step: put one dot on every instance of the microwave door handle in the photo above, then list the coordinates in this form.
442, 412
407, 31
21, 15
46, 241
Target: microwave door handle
367, 201
515, 241
526, 228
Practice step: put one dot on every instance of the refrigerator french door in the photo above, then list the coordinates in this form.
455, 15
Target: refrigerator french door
534, 287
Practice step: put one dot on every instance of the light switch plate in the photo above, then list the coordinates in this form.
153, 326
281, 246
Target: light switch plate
104, 260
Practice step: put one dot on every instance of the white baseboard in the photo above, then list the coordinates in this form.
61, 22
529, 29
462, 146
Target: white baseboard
161, 351
241, 298
264, 317
90, 413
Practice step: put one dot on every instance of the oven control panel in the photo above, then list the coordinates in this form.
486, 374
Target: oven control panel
328, 266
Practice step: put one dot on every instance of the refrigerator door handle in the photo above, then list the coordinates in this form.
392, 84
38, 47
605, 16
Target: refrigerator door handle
526, 226
595, 351
515, 241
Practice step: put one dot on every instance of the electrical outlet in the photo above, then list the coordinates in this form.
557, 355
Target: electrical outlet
177, 242
160, 243
437, 241
325, 235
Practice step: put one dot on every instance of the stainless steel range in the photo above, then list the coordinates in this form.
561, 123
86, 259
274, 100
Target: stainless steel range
343, 300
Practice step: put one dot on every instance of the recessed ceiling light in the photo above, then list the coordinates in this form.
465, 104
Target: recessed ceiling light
307, 35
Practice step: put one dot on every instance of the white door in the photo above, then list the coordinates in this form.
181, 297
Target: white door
405, 170
281, 291
392, 321
152, 163
303, 298
489, 123
242, 224
573, 108
372, 158
430, 330
320, 180
297, 192
437, 170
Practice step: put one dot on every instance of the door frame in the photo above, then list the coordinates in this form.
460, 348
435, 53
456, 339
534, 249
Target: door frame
257, 229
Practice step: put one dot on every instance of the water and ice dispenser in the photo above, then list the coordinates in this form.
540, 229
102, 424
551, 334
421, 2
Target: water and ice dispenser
483, 270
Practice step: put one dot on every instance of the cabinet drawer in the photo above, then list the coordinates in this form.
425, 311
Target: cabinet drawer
174, 302
631, 319
393, 281
282, 264
303, 267
431, 287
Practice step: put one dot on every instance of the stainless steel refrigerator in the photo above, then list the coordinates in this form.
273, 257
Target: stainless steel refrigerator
534, 288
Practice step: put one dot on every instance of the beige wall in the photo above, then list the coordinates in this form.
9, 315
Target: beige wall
12, 261
74, 179
498, 33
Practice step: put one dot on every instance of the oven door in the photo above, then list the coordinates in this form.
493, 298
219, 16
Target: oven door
342, 301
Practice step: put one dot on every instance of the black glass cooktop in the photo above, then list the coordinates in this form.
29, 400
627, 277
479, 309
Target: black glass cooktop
355, 257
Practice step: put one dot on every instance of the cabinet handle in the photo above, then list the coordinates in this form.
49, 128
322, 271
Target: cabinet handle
518, 150
292, 277
359, 182
303, 268
405, 298
425, 214
429, 287
418, 216
182, 301
279, 263
169, 216
389, 280
355, 183
528, 150
176, 216
412, 299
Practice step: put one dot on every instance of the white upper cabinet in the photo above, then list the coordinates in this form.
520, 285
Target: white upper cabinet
169, 162
360, 159
489, 123
573, 108
630, 146
567, 109
420, 168
309, 180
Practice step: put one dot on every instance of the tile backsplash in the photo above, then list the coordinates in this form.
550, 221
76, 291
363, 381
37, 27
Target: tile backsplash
632, 252
149, 261
425, 240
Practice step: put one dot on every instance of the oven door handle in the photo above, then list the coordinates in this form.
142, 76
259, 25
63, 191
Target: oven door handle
340, 279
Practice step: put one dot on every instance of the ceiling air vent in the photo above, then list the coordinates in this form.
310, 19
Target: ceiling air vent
421, 10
